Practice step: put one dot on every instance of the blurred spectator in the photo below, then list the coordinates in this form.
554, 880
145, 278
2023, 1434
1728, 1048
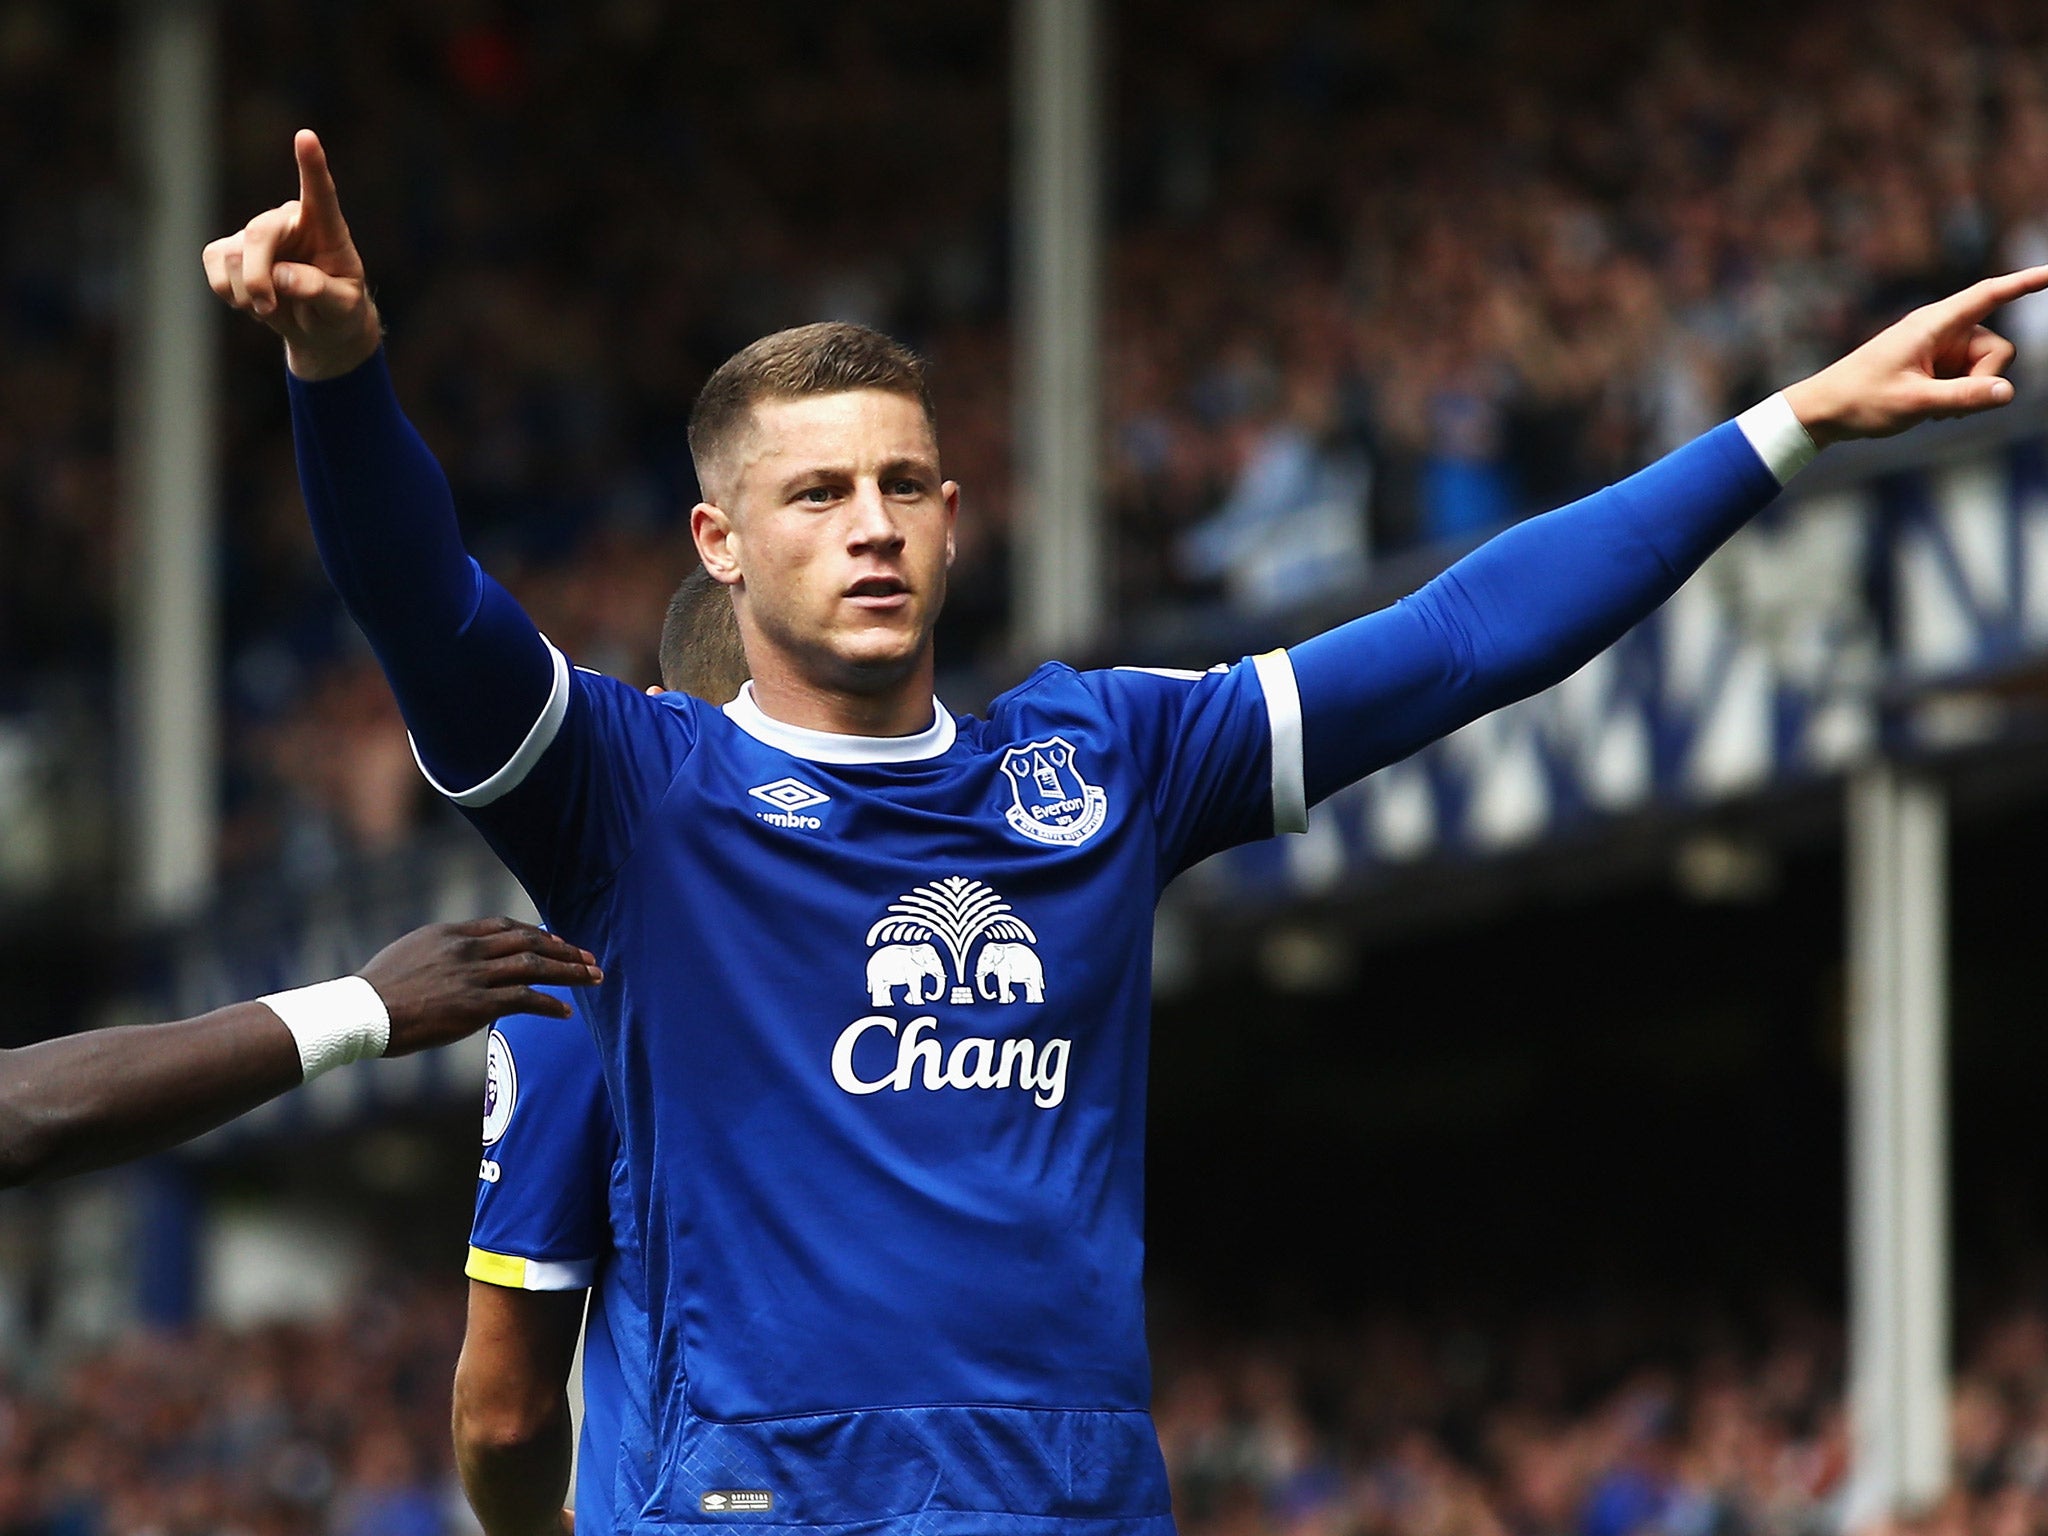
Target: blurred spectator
1621, 1419
1380, 274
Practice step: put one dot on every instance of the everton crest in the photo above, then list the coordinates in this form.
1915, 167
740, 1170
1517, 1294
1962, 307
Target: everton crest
1050, 801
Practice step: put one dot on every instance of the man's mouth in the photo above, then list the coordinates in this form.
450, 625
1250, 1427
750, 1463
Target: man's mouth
878, 591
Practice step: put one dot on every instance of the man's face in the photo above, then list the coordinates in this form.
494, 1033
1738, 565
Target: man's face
835, 531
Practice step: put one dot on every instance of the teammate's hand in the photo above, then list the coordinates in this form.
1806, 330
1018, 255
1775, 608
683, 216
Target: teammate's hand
449, 980
296, 269
1939, 361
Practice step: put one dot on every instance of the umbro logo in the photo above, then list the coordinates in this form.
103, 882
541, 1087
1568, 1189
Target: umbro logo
791, 798
733, 1501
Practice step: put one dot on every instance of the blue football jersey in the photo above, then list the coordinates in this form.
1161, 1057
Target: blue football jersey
874, 1027
552, 1213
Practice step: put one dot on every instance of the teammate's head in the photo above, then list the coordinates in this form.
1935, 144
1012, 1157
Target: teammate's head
824, 510
700, 643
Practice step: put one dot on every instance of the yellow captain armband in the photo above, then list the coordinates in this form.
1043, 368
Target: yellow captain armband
517, 1274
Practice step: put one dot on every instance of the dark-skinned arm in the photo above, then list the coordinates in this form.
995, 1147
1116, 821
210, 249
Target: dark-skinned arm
511, 1417
95, 1099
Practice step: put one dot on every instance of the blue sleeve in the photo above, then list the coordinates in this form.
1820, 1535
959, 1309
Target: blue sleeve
1522, 612
470, 671
543, 1214
554, 764
1206, 746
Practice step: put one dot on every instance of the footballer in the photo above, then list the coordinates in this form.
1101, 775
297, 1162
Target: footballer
877, 975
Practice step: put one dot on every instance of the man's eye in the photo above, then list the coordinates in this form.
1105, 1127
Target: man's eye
905, 488
817, 495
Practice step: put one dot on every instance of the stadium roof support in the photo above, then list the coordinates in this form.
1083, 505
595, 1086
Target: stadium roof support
1898, 1143
1058, 537
170, 671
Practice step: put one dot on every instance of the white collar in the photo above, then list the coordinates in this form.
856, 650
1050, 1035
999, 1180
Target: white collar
831, 747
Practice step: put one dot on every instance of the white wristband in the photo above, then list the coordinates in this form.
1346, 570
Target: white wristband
334, 1022
1774, 431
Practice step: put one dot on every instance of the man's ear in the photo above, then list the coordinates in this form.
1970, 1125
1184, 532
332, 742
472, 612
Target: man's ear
950, 493
718, 542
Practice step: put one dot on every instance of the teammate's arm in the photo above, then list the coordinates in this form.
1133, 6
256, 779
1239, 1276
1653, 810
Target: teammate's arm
1533, 605
94, 1099
512, 1427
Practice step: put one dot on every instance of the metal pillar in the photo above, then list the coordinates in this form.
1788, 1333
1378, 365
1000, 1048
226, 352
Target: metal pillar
1058, 536
1898, 1143
170, 476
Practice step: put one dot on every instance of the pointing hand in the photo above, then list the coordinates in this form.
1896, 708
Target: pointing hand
296, 270
1939, 361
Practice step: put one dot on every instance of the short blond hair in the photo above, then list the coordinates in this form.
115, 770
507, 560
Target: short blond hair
828, 358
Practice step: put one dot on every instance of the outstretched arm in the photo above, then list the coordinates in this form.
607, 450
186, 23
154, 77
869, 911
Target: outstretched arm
92, 1100
1532, 606
471, 674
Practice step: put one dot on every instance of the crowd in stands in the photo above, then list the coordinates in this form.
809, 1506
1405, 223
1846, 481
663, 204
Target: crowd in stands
1380, 274
1621, 1420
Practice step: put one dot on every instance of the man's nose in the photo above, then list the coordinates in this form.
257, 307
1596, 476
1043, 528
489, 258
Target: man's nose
873, 524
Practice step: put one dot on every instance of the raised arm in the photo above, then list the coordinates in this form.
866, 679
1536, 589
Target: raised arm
471, 674
99, 1098
1532, 606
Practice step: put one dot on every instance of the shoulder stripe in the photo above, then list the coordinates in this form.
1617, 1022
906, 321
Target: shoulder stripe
538, 740
1178, 674
517, 1274
1283, 715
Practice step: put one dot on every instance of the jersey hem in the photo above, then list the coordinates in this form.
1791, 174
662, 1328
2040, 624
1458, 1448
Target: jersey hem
936, 1522
839, 1413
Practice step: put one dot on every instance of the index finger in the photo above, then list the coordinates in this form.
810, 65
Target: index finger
1980, 299
319, 202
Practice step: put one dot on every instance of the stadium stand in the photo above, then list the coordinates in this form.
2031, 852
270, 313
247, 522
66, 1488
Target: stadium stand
1683, 1420
1374, 284
1383, 276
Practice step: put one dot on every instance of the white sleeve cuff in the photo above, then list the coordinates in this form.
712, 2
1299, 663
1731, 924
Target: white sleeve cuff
1779, 440
538, 740
334, 1022
1283, 717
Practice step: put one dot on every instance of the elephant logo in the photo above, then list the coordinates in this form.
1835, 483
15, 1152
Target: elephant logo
907, 966
1049, 800
959, 914
1010, 966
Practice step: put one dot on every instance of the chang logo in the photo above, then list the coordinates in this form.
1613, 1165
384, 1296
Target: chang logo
954, 941
959, 913
1049, 800
975, 1062
501, 1087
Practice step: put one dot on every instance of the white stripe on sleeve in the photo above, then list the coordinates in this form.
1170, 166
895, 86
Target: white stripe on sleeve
538, 740
1283, 715
576, 1275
